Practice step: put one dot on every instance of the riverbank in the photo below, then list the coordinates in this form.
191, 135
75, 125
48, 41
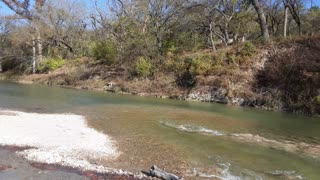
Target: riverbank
61, 142
63, 146
280, 76
15, 167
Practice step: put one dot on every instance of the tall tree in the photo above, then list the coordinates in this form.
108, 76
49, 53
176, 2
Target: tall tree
24, 9
163, 15
262, 18
294, 7
285, 23
274, 16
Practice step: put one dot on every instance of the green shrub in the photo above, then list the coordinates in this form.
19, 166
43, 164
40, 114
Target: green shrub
233, 59
104, 51
171, 49
220, 57
51, 64
200, 65
196, 64
248, 49
142, 67
179, 66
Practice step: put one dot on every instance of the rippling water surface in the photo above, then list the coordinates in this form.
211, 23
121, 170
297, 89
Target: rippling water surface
186, 138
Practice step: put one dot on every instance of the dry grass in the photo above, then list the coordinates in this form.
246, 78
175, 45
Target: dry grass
283, 73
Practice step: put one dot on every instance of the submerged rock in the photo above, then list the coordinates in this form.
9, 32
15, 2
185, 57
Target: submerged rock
112, 87
160, 173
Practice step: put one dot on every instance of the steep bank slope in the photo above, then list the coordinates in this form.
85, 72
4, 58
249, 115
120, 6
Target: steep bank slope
278, 76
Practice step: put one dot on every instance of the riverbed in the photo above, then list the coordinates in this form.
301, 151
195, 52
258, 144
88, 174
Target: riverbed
192, 140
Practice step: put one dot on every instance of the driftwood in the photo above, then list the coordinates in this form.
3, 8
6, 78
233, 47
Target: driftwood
159, 173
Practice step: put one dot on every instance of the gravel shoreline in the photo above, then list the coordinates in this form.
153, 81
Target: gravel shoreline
60, 142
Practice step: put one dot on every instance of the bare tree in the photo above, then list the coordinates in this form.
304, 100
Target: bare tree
274, 16
163, 15
4, 31
65, 26
262, 18
285, 23
23, 8
294, 8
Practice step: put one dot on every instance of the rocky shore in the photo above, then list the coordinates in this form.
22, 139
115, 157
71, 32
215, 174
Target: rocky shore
13, 166
60, 142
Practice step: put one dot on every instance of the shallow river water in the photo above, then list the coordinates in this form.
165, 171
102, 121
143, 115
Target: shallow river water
187, 138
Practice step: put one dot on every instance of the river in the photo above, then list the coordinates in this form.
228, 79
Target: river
186, 138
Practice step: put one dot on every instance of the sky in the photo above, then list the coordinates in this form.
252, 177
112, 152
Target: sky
89, 4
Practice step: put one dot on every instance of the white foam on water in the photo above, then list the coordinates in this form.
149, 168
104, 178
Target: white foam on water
224, 174
193, 129
63, 139
285, 173
312, 150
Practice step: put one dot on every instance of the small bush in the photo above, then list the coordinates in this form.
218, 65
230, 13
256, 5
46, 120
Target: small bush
143, 67
169, 65
248, 49
171, 49
233, 59
104, 51
51, 64
200, 66
220, 57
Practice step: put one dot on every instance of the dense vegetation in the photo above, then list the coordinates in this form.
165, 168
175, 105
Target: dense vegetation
199, 42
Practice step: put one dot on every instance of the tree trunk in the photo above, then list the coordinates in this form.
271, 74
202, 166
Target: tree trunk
262, 19
226, 32
0, 66
285, 21
34, 59
211, 38
145, 24
295, 14
159, 42
39, 45
289, 28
